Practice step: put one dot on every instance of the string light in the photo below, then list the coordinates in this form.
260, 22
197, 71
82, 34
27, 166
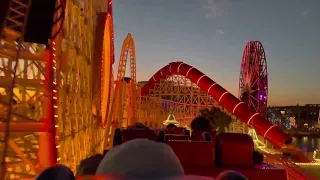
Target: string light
308, 164
54, 94
259, 144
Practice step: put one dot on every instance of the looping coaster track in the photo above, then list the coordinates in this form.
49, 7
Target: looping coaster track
60, 103
238, 108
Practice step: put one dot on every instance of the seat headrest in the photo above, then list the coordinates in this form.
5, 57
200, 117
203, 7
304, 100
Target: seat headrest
233, 150
165, 131
170, 137
235, 137
130, 134
179, 130
197, 135
199, 153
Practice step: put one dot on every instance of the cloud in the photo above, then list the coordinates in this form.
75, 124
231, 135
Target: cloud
209, 15
220, 31
213, 8
304, 13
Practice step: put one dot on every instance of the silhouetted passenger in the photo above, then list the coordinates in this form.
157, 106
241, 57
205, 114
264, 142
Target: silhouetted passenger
141, 158
257, 157
170, 128
186, 132
144, 159
161, 137
117, 137
89, 165
206, 137
231, 175
201, 123
138, 125
56, 173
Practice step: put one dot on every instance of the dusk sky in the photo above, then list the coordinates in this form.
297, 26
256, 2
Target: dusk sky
211, 35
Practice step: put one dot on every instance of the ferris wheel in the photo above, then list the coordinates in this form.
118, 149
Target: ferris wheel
253, 81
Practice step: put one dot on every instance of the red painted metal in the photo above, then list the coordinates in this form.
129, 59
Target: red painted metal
194, 153
228, 156
49, 121
263, 127
112, 57
110, 15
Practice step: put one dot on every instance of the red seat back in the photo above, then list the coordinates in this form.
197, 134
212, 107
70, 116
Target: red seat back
250, 173
170, 137
165, 131
194, 153
179, 130
197, 135
130, 134
233, 150
156, 130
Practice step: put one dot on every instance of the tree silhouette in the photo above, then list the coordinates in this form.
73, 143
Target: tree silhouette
218, 119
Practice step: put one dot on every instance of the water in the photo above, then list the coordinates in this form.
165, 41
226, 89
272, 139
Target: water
309, 146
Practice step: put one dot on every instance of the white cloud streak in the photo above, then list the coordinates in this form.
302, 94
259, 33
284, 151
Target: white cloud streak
213, 8
304, 13
220, 31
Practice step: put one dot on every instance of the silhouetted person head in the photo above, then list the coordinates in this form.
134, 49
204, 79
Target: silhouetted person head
201, 123
138, 125
141, 159
171, 127
257, 157
231, 175
56, 173
89, 165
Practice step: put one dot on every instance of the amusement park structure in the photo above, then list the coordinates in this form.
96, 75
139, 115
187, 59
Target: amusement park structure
253, 82
60, 103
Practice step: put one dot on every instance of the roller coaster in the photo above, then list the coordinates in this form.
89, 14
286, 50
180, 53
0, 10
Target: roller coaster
60, 102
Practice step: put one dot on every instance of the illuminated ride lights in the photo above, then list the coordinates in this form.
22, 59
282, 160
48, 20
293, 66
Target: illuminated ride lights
106, 66
259, 144
253, 80
106, 69
171, 120
70, 88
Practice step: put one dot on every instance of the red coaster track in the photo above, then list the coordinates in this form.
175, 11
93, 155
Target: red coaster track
263, 127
